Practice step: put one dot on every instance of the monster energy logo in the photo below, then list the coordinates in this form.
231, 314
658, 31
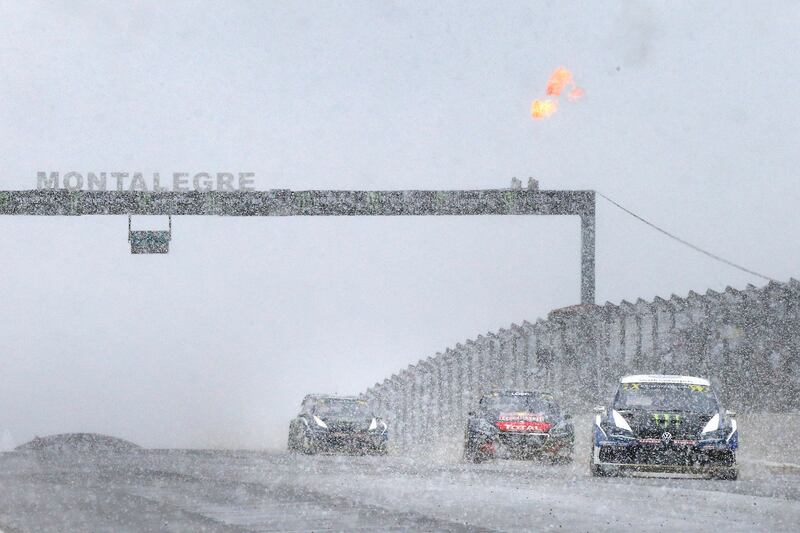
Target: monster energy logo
373, 202
511, 199
440, 199
304, 199
664, 419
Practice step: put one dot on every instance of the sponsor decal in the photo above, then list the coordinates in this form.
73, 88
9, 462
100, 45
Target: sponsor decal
677, 442
667, 385
524, 427
523, 416
665, 420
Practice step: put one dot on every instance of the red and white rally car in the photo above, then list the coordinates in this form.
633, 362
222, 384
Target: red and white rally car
518, 424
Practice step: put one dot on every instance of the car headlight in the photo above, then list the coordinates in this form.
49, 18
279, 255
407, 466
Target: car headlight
378, 425
617, 427
615, 432
712, 425
320, 422
620, 422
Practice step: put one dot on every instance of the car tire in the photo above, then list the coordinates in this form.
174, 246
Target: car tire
730, 473
291, 441
307, 446
475, 458
471, 455
469, 452
597, 471
594, 469
561, 459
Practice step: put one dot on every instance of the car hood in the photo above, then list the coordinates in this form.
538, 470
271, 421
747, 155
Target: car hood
647, 423
343, 423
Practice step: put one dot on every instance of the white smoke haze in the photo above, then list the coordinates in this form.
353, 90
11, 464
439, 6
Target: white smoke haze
689, 117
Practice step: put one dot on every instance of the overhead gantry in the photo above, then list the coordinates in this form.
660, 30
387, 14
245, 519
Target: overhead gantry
288, 203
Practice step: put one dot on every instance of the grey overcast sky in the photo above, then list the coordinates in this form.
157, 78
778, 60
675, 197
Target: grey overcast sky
690, 118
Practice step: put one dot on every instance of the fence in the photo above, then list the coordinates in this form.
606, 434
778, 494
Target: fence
746, 341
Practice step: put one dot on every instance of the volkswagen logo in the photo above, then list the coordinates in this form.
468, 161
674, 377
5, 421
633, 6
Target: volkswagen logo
666, 437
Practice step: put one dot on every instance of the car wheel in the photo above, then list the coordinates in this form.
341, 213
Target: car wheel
561, 456
308, 445
730, 473
473, 455
561, 459
595, 470
381, 450
291, 441
474, 458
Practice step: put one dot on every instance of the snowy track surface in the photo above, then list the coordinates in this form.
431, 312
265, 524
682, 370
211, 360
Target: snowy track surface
259, 491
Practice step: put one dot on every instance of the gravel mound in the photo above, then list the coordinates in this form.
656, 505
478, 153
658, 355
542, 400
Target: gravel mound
85, 442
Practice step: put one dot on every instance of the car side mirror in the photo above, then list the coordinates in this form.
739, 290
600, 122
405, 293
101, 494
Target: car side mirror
599, 409
731, 414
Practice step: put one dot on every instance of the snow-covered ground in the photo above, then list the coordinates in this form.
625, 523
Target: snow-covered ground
257, 491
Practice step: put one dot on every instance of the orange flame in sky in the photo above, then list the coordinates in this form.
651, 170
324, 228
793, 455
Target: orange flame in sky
559, 80
543, 108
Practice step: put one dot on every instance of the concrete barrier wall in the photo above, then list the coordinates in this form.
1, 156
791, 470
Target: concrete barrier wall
746, 341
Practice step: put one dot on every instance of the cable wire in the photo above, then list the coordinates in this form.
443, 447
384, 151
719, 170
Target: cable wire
687, 243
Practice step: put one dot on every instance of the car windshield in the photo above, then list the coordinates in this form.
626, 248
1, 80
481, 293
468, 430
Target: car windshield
532, 403
354, 409
666, 397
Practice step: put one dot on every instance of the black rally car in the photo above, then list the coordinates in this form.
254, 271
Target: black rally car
665, 424
337, 423
519, 425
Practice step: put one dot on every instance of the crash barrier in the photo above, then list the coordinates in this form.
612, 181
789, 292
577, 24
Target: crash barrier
746, 341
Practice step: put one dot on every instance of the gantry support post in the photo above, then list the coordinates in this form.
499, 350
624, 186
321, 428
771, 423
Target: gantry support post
587, 258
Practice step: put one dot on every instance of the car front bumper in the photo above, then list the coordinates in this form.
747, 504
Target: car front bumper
518, 444
646, 456
350, 441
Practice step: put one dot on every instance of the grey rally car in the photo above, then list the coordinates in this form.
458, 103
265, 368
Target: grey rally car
337, 424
